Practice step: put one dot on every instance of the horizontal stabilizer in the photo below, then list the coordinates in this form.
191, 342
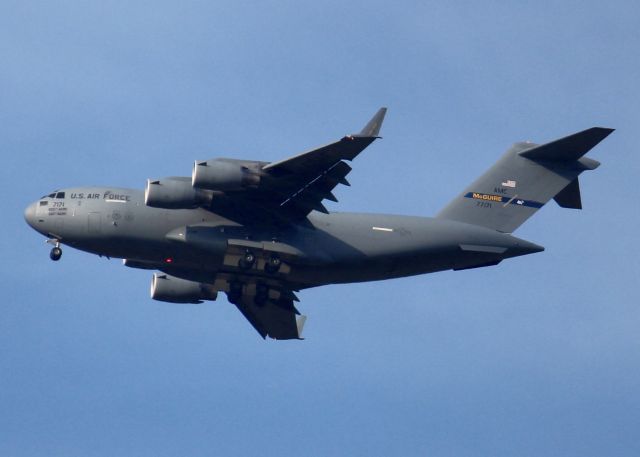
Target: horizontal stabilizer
569, 148
569, 197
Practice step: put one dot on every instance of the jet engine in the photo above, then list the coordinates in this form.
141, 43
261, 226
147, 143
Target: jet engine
224, 174
176, 290
174, 193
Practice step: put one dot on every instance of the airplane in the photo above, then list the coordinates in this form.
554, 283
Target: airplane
259, 232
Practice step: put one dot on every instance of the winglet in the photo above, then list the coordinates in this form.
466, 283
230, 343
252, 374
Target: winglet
372, 129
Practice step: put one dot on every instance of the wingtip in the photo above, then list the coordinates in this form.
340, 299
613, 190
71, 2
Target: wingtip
607, 130
601, 132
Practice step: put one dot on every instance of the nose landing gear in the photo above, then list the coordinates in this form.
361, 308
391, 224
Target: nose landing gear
56, 251
55, 254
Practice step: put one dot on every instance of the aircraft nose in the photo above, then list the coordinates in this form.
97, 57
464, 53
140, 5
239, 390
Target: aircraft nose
30, 214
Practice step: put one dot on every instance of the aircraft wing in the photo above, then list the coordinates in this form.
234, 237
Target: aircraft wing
291, 188
277, 319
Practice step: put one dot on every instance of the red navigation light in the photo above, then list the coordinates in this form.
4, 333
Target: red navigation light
168, 260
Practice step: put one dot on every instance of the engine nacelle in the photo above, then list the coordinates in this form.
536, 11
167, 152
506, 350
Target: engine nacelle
174, 193
177, 290
223, 175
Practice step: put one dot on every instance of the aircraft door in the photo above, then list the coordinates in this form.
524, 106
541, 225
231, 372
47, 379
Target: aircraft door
95, 222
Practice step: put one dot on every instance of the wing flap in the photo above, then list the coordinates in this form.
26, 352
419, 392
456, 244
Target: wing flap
311, 195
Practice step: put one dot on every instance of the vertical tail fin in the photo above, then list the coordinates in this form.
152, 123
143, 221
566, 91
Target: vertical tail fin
524, 179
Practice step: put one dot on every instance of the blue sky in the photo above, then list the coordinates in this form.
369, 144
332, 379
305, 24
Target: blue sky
537, 356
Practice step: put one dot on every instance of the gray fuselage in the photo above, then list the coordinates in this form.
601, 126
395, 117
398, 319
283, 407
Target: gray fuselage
323, 249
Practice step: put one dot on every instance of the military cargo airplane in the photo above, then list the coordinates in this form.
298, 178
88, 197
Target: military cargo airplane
259, 232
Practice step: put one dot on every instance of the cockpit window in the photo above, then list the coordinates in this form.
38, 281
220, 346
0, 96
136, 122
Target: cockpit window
54, 194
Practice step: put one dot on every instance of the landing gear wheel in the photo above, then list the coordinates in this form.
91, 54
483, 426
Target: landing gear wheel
55, 254
262, 295
247, 260
273, 264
